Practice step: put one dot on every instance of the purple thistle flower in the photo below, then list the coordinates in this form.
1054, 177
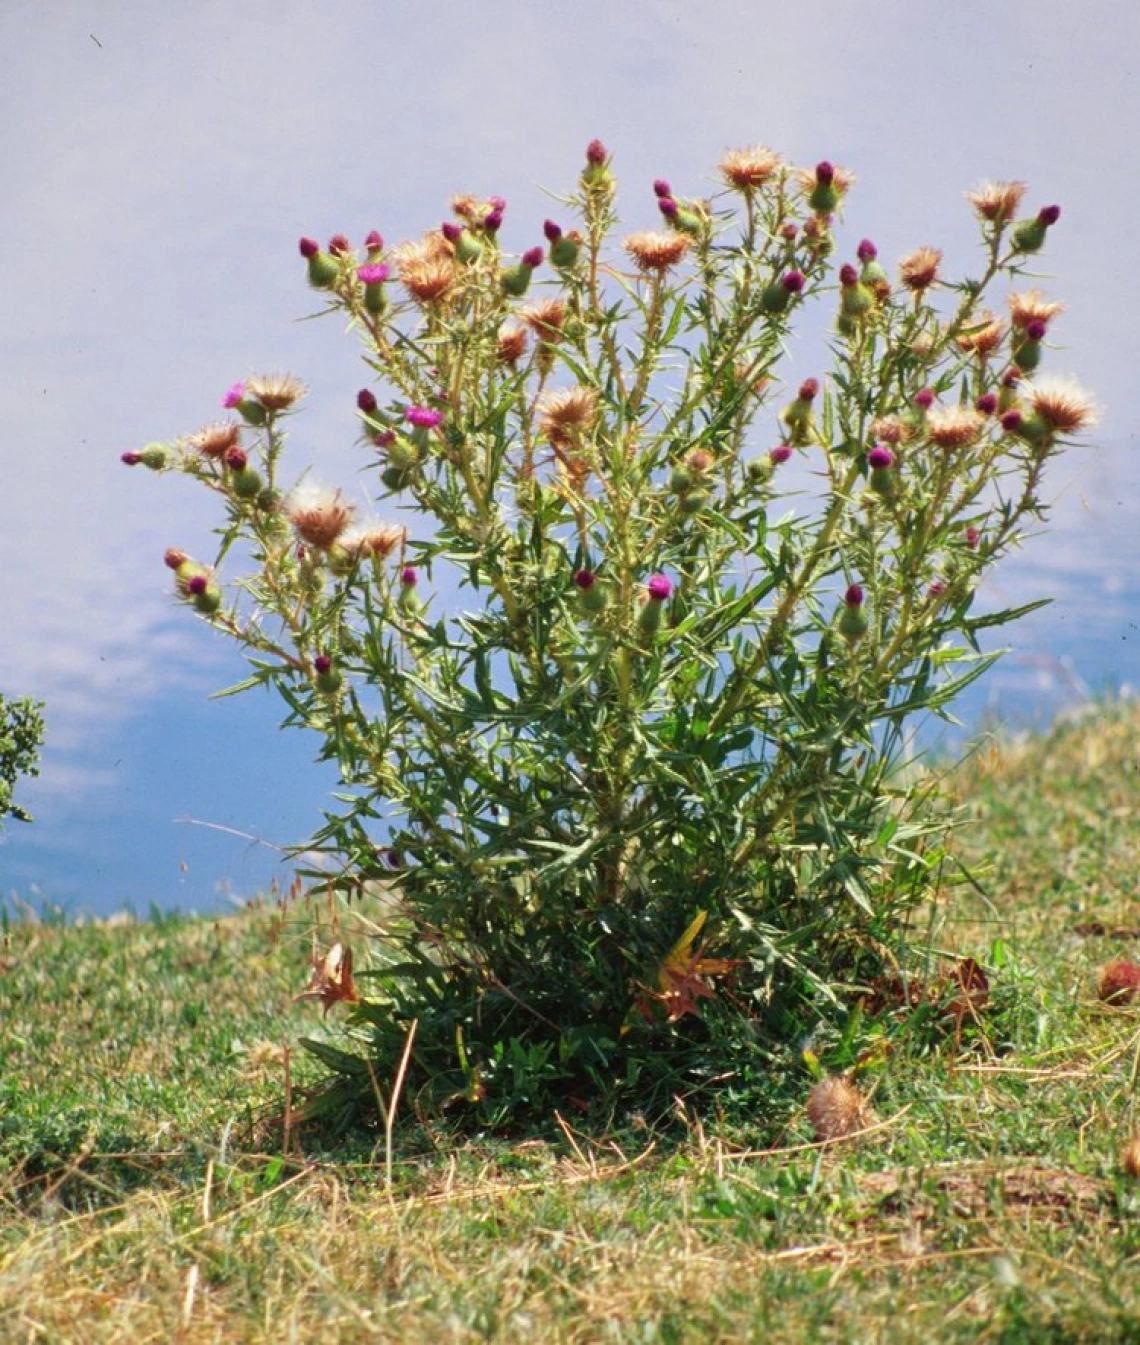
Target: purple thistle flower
809, 388
323, 664
1036, 330
1011, 421
374, 243
196, 584
662, 188
854, 596
451, 231
131, 458
924, 399
552, 231
848, 275
408, 576
973, 537
385, 439
498, 203
234, 395
937, 588
374, 273
532, 257
423, 417
793, 281
493, 221
986, 403
339, 245
366, 401
596, 153
659, 587
585, 579
667, 206
308, 247
880, 458
781, 453
824, 173
866, 251
1049, 215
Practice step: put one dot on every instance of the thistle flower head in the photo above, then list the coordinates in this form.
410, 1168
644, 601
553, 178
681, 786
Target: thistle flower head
1048, 215
848, 275
837, 1109
130, 458
339, 246
423, 417
318, 515
511, 345
585, 579
924, 399
492, 221
853, 597
880, 458
546, 319
374, 243
793, 281
866, 251
986, 403
308, 247
655, 251
661, 188
373, 273
1062, 404
982, 337
551, 232
997, 201
747, 169
235, 393
596, 153
408, 576
568, 412
919, 269
781, 453
532, 257
215, 441
891, 430
659, 587
371, 539
276, 392
1032, 306
426, 269
954, 426
809, 389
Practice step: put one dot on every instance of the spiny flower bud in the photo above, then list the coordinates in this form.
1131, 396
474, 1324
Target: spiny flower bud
657, 591
408, 598
1029, 235
856, 300
235, 459
208, 600
130, 458
366, 401
776, 297
797, 415
339, 246
247, 483
592, 596
987, 403
515, 280
467, 247
564, 250
329, 678
373, 244
173, 558
824, 194
852, 618
323, 270
596, 176
780, 454
662, 188
884, 478
872, 273
154, 456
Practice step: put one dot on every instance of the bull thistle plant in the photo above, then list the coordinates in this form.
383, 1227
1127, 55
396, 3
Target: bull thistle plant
619, 731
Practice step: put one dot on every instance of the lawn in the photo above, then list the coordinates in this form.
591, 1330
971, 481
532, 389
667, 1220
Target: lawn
154, 1184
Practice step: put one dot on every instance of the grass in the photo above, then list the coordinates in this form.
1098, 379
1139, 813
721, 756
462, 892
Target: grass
147, 1190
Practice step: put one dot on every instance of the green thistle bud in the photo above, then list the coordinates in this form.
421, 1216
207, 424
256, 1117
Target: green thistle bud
564, 251
592, 595
396, 478
268, 499
208, 600
468, 249
797, 415
328, 677
694, 501
1029, 234
253, 413
515, 280
402, 454
1027, 356
154, 457
758, 471
680, 479
247, 484
852, 618
775, 298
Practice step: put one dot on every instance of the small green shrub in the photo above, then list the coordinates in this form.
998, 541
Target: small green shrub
618, 733
21, 734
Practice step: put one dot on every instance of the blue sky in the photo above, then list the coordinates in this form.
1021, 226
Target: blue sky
159, 166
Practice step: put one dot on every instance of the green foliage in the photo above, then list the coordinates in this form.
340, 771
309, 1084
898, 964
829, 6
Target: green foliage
618, 738
21, 733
